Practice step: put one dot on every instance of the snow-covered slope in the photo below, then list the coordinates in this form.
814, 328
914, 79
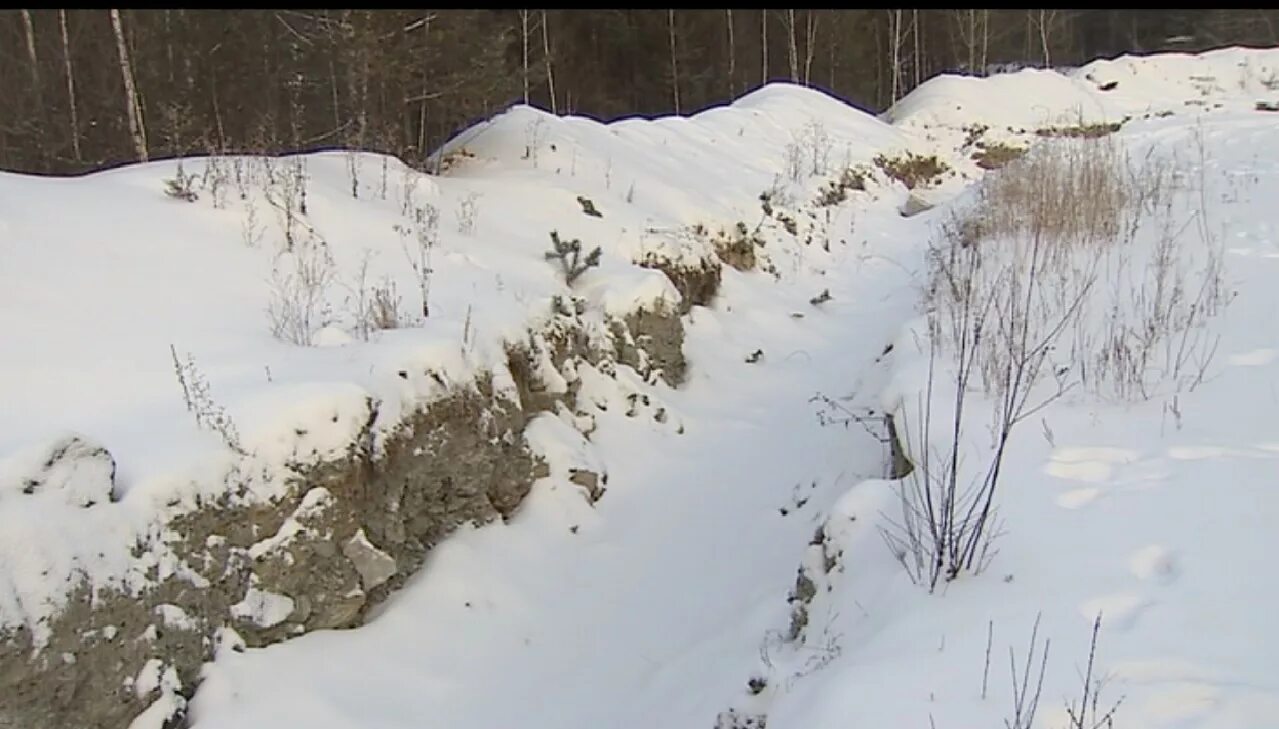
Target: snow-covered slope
658, 604
103, 274
1104, 91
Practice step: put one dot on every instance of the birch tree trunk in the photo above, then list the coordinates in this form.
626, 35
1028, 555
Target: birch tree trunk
895, 44
670, 21
31, 52
792, 50
732, 56
810, 46
546, 56
136, 127
763, 43
524, 42
918, 56
71, 102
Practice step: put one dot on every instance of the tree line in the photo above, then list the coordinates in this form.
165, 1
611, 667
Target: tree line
88, 89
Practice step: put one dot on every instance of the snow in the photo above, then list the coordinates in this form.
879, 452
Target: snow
657, 604
262, 607
1234, 78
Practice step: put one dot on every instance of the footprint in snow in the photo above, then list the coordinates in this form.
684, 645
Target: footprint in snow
1078, 498
1154, 563
1255, 358
1119, 611
1088, 464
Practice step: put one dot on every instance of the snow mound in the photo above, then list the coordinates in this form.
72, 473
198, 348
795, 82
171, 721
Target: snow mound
1101, 92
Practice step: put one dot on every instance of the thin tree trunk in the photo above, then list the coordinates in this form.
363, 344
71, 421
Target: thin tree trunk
546, 56
36, 87
970, 39
217, 114
71, 103
1045, 20
919, 56
337, 105
670, 21
524, 41
763, 44
792, 51
732, 56
810, 46
895, 43
834, 38
31, 54
422, 147
136, 127
985, 40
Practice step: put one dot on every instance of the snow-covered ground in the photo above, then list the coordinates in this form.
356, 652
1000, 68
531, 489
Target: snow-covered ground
656, 605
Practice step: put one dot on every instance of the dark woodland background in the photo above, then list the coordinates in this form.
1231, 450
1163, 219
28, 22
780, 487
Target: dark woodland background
87, 89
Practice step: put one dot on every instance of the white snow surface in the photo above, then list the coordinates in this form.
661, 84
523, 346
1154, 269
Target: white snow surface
656, 605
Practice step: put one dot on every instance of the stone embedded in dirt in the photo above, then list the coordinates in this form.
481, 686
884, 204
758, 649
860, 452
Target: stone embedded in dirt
374, 565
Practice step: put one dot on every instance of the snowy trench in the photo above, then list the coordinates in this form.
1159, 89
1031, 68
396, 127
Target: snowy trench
686, 464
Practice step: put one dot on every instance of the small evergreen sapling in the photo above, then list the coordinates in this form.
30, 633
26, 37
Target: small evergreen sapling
569, 254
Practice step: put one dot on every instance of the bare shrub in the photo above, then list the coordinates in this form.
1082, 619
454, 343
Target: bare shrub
1025, 703
182, 185
216, 179
534, 135
374, 307
817, 144
250, 228
285, 189
1079, 216
808, 152
836, 191
794, 157
1088, 714
200, 403
468, 210
1048, 282
385, 309
299, 307
423, 230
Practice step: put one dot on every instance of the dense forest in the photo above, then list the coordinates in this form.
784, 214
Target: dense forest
87, 89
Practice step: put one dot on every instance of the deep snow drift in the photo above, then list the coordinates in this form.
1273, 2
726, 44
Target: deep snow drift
659, 604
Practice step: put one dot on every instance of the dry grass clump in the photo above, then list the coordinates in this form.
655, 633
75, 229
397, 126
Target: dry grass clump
1073, 192
913, 170
994, 155
1081, 130
1097, 257
1073, 268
